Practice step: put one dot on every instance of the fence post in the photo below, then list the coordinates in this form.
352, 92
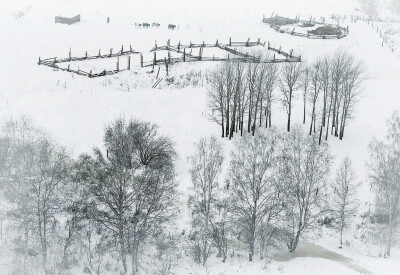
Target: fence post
69, 54
111, 52
141, 60
99, 53
122, 49
118, 63
230, 42
86, 55
184, 54
155, 59
179, 46
129, 62
39, 61
166, 64
158, 72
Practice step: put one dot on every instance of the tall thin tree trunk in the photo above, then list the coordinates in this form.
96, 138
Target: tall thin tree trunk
290, 109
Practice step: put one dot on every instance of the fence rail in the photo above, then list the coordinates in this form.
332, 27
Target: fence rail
181, 49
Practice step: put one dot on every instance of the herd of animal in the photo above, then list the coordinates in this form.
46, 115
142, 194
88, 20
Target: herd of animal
153, 25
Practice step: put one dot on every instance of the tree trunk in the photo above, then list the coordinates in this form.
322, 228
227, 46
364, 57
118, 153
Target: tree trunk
304, 109
227, 121
261, 105
295, 242
290, 109
222, 122
123, 251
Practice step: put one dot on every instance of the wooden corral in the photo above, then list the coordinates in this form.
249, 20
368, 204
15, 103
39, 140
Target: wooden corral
68, 20
184, 50
228, 47
325, 31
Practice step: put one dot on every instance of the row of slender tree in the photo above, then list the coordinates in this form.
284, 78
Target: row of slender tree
241, 95
110, 210
274, 192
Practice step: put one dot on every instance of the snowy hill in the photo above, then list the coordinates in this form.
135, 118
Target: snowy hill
74, 109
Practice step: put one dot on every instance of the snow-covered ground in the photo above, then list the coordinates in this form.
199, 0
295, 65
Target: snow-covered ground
74, 109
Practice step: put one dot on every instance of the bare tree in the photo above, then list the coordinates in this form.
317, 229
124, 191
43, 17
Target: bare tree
304, 166
270, 83
340, 62
224, 92
35, 186
305, 82
252, 185
324, 80
344, 200
289, 82
313, 96
205, 193
217, 101
239, 98
384, 173
351, 93
132, 185
370, 7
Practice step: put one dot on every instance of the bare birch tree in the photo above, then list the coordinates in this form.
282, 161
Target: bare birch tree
344, 200
384, 173
205, 193
35, 185
289, 82
132, 185
304, 166
252, 185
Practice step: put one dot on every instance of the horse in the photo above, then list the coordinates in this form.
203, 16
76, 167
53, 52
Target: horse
138, 25
146, 25
171, 26
155, 25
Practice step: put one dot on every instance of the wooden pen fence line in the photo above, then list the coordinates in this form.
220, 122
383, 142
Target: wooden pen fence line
277, 22
180, 48
52, 62
243, 57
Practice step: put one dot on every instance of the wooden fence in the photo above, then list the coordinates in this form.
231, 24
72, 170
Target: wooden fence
277, 22
181, 49
237, 56
54, 61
